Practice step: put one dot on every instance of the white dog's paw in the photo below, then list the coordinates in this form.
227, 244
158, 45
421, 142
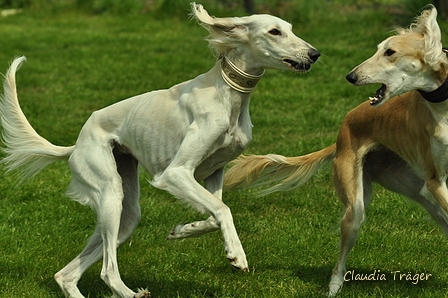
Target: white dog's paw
238, 260
239, 264
176, 233
142, 293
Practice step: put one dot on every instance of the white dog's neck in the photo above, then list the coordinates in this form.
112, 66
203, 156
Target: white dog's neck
238, 79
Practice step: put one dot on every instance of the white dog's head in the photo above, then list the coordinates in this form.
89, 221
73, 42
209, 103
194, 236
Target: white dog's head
411, 60
264, 41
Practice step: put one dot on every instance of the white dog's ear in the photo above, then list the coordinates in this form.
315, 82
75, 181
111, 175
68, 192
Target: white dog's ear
223, 31
218, 24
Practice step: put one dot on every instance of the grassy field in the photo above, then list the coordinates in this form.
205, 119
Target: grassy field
79, 62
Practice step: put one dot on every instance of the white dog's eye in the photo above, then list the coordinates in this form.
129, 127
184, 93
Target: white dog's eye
275, 32
389, 52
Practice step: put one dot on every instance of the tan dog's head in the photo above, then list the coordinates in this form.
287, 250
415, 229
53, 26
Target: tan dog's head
411, 60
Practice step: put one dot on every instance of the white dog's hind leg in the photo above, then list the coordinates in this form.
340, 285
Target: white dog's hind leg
118, 213
195, 229
68, 277
109, 214
107, 179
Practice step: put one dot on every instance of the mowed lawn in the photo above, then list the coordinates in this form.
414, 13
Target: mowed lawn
78, 63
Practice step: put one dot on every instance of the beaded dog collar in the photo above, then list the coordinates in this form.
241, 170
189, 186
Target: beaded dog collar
238, 79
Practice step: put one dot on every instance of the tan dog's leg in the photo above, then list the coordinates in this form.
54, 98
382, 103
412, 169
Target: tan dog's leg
393, 173
348, 179
437, 188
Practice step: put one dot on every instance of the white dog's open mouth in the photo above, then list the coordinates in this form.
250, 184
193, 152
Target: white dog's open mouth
297, 66
379, 96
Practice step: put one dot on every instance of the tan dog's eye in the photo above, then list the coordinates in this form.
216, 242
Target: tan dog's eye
389, 52
275, 32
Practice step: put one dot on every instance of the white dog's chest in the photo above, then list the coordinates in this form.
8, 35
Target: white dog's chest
157, 129
229, 146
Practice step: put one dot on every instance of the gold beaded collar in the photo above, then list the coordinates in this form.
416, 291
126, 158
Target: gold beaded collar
238, 79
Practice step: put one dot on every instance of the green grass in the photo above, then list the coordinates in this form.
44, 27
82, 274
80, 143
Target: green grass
78, 63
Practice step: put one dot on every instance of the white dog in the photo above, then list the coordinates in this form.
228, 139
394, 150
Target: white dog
181, 136
400, 142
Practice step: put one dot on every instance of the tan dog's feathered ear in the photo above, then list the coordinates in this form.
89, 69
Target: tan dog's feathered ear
433, 37
427, 25
224, 32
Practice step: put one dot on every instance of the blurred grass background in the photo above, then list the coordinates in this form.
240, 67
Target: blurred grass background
84, 55
284, 8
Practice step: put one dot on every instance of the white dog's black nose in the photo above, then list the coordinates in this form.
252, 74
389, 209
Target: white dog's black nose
314, 54
352, 78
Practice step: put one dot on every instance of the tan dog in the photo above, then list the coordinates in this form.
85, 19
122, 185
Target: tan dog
400, 143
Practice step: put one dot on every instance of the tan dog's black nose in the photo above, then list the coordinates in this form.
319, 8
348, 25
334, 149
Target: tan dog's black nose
352, 78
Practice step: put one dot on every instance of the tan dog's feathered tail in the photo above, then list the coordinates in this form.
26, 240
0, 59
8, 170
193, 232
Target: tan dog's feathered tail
289, 172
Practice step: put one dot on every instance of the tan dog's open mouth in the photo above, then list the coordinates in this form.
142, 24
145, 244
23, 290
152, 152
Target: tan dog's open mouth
379, 96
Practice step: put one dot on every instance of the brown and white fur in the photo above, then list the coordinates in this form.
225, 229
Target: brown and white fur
181, 136
400, 143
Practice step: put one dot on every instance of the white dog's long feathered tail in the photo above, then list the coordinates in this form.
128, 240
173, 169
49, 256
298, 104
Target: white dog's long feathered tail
266, 170
26, 151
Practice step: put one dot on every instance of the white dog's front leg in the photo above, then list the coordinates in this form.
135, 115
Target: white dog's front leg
214, 185
180, 182
194, 229
232, 244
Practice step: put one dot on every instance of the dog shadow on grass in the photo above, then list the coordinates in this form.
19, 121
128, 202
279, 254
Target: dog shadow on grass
317, 279
92, 286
